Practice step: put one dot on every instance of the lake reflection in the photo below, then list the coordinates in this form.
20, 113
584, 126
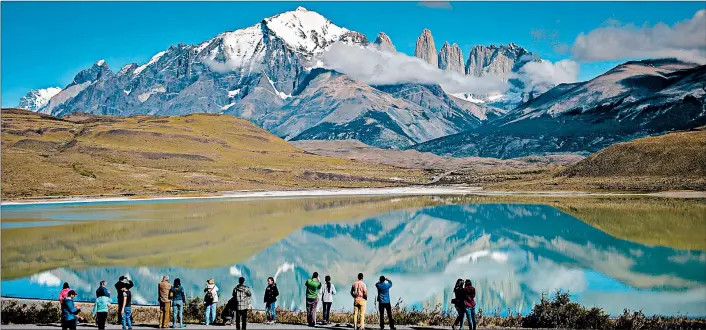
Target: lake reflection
512, 252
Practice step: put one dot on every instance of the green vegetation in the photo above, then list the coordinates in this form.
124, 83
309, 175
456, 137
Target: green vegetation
556, 312
93, 155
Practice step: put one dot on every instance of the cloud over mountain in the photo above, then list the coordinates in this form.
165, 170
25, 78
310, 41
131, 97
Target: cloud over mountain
685, 40
377, 67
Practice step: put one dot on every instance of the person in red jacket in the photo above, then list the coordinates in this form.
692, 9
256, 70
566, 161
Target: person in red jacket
469, 301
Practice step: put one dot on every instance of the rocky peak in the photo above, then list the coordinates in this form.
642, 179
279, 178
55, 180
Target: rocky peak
425, 48
451, 58
95, 72
384, 42
496, 60
304, 31
354, 38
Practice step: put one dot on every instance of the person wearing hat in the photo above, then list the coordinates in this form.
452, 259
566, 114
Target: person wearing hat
211, 301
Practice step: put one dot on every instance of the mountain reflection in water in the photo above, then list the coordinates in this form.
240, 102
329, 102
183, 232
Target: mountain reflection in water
512, 252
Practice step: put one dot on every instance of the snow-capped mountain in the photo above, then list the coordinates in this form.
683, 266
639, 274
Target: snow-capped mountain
263, 73
632, 100
37, 98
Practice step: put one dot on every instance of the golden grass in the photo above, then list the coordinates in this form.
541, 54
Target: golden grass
46, 156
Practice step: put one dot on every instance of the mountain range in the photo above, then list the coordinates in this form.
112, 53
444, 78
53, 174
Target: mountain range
271, 73
632, 100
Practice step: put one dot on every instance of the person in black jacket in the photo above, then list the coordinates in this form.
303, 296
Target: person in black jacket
271, 294
123, 282
459, 296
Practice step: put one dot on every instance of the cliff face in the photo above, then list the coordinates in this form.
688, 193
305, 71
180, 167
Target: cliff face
426, 49
451, 58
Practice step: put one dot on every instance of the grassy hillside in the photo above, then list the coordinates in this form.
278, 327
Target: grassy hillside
678, 154
674, 161
90, 155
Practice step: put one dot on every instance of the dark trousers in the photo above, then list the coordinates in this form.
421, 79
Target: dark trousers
461, 311
241, 316
311, 310
327, 311
68, 325
101, 317
382, 307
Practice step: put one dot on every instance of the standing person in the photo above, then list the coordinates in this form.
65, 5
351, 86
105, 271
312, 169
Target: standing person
102, 290
470, 304
123, 282
69, 312
64, 292
384, 302
271, 294
100, 308
312, 298
328, 290
458, 302
164, 303
211, 301
242, 295
178, 301
126, 307
359, 291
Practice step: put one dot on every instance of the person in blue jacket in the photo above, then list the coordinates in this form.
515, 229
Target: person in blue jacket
69, 312
384, 301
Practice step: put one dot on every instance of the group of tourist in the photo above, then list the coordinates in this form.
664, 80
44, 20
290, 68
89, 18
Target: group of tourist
172, 300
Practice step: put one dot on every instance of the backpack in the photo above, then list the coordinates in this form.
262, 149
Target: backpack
208, 299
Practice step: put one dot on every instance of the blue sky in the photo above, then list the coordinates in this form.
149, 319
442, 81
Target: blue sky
46, 43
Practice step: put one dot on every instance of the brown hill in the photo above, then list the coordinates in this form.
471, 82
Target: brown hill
89, 155
677, 154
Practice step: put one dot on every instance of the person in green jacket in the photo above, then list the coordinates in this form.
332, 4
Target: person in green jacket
100, 308
312, 298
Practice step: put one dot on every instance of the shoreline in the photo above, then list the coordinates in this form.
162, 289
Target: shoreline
339, 192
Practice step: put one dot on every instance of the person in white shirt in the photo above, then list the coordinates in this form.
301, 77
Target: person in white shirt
211, 301
328, 290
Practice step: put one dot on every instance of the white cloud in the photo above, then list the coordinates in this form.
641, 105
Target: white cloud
547, 73
436, 4
376, 67
684, 40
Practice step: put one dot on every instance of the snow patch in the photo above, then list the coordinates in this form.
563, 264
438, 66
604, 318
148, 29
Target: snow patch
154, 90
100, 62
282, 95
233, 93
234, 271
227, 106
153, 60
127, 92
285, 267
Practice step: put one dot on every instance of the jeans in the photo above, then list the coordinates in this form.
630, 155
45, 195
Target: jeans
471, 315
359, 308
270, 311
127, 318
101, 317
178, 308
382, 307
461, 310
211, 313
311, 310
164, 309
241, 316
327, 311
